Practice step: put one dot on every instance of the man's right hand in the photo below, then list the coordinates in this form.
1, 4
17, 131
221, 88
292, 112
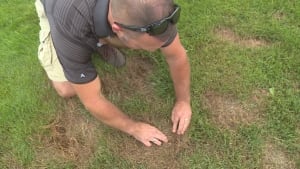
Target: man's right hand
90, 95
147, 134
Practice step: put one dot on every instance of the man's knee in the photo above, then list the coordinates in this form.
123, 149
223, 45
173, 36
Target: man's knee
64, 89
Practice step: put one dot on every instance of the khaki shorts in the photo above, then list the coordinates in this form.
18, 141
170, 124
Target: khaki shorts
46, 51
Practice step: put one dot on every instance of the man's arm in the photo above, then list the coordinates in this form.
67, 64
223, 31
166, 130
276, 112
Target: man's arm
92, 98
177, 60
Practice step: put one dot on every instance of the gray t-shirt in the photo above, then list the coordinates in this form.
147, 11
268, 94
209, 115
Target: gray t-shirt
74, 37
76, 26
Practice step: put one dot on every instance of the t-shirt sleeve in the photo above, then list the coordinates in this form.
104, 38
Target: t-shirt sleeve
170, 39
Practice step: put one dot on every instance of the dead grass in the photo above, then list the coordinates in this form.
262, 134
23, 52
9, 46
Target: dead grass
167, 156
228, 35
279, 15
229, 113
132, 80
72, 137
275, 158
10, 161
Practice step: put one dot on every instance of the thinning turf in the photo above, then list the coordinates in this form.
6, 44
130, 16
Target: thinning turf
266, 78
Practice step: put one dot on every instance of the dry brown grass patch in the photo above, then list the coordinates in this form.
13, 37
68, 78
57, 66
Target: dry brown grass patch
134, 79
167, 156
10, 161
72, 137
275, 158
279, 15
229, 113
228, 35
131, 80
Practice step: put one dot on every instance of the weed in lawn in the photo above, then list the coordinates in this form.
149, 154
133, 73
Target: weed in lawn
228, 35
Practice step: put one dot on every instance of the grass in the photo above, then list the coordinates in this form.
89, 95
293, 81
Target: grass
246, 80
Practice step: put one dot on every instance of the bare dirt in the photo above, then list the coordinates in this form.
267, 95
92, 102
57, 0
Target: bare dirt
228, 35
227, 112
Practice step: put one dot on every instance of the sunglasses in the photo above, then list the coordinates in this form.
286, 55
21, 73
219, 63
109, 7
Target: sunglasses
158, 27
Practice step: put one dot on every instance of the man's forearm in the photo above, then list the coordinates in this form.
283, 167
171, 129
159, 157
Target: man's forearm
109, 114
90, 95
180, 73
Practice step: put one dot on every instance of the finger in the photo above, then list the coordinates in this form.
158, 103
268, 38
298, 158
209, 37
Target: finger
156, 141
147, 143
181, 126
186, 125
159, 135
175, 124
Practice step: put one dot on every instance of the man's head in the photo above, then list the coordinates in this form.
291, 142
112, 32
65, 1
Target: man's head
128, 19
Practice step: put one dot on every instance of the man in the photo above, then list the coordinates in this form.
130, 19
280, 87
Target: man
72, 29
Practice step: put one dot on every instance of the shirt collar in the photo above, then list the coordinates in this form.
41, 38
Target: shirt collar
102, 27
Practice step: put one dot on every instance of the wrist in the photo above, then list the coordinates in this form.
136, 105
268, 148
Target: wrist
130, 127
186, 101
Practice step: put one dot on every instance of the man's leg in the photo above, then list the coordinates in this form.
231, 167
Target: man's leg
64, 89
48, 58
109, 52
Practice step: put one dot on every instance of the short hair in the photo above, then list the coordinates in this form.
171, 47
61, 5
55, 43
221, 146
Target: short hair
140, 12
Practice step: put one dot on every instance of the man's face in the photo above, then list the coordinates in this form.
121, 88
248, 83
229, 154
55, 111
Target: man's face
143, 41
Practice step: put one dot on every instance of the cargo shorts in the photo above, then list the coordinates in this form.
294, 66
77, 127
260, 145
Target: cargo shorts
46, 51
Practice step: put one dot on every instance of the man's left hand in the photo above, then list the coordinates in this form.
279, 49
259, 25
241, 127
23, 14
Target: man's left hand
181, 117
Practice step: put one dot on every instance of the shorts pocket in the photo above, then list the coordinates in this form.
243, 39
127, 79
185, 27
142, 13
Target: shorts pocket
45, 54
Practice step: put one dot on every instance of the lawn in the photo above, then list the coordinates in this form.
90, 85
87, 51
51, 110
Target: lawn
245, 63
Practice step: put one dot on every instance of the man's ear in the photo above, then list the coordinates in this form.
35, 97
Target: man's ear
116, 28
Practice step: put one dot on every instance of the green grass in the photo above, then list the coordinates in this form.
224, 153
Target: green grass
27, 101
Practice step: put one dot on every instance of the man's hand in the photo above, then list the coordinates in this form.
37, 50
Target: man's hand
146, 134
181, 117
177, 60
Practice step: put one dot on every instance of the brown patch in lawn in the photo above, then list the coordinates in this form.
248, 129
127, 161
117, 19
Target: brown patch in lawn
296, 87
226, 34
130, 80
229, 113
259, 97
167, 156
134, 79
72, 137
9, 160
279, 15
274, 158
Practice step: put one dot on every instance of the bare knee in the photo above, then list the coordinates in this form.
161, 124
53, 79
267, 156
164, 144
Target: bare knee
64, 89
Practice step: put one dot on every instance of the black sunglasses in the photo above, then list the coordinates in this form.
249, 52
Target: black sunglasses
158, 27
